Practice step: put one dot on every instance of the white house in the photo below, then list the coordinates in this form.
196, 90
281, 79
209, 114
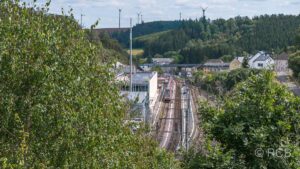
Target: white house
261, 60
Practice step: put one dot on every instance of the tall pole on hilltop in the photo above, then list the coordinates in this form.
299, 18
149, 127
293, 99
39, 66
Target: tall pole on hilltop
139, 14
120, 10
203, 12
180, 16
130, 54
81, 16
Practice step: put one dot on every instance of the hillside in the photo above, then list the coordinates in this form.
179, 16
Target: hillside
201, 39
146, 29
141, 41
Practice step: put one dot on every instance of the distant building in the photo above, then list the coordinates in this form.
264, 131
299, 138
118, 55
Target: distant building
236, 63
215, 65
140, 104
141, 82
281, 63
261, 60
144, 90
121, 68
162, 61
147, 67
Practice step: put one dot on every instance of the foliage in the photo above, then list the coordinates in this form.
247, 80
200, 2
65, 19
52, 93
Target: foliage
294, 63
201, 39
245, 63
258, 114
115, 51
158, 70
227, 58
222, 82
59, 106
175, 55
213, 158
141, 41
146, 29
170, 41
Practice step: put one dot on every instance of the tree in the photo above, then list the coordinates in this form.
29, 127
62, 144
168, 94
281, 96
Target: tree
245, 63
298, 38
59, 105
294, 63
259, 114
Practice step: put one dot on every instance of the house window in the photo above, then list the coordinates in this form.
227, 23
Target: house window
260, 65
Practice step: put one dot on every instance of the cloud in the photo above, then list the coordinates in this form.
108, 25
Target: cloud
107, 10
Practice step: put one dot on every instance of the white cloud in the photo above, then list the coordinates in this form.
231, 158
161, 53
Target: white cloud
107, 10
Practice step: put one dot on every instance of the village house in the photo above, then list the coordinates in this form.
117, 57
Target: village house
236, 63
162, 61
281, 63
215, 65
261, 60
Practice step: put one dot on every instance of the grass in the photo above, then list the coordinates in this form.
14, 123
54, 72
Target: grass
150, 37
136, 52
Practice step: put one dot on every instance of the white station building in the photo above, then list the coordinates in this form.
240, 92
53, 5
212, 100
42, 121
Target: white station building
144, 89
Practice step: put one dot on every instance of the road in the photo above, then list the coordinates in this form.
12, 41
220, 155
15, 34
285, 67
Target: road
285, 79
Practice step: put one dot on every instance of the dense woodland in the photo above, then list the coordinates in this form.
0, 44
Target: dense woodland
294, 60
145, 29
201, 39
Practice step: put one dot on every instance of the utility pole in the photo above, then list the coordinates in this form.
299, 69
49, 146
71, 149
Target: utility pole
120, 10
180, 16
81, 16
141, 18
130, 54
204, 19
139, 14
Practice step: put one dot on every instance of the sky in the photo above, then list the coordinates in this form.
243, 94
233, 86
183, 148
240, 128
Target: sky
157, 10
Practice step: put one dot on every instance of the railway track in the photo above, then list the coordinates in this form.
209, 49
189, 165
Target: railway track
177, 122
161, 126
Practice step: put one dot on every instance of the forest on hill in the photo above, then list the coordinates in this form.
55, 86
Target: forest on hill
146, 29
202, 39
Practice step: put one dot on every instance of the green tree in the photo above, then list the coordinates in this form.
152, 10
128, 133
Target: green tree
259, 114
294, 64
59, 106
245, 63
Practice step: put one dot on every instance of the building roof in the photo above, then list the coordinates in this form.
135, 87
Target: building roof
142, 77
240, 59
282, 56
263, 56
163, 60
214, 61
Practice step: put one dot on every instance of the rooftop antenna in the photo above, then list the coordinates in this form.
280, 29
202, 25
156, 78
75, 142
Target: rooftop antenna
81, 16
120, 10
130, 54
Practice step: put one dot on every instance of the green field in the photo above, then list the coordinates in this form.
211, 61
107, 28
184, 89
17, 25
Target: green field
150, 37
